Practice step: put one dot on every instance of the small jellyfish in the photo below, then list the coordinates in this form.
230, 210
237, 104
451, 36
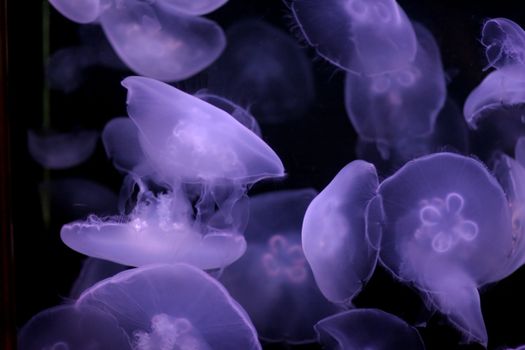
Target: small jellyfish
61, 150
367, 329
193, 7
447, 229
263, 68
496, 107
160, 44
273, 281
72, 327
334, 236
173, 307
81, 11
93, 271
186, 138
504, 43
389, 107
369, 37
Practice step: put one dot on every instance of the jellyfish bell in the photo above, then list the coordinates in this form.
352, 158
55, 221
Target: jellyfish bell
367, 329
273, 281
504, 42
169, 307
80, 11
388, 107
369, 37
334, 236
185, 137
72, 327
193, 7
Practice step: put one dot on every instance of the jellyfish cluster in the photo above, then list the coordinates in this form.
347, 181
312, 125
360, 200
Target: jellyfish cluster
207, 246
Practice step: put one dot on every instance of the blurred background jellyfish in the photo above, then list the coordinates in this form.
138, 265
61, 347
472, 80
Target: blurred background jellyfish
368, 37
173, 307
334, 237
504, 43
367, 329
273, 281
263, 69
72, 327
389, 107
447, 229
61, 150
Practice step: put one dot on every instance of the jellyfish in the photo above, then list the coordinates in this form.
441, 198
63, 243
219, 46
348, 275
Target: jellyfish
263, 68
273, 281
447, 229
504, 43
368, 37
61, 150
72, 327
160, 44
184, 137
367, 329
193, 7
93, 271
389, 107
495, 108
173, 307
334, 237
81, 11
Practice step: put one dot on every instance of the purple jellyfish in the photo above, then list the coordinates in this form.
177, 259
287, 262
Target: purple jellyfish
367, 329
369, 37
272, 281
447, 229
504, 43
334, 233
173, 307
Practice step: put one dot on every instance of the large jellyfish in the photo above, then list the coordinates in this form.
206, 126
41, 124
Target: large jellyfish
504, 42
389, 107
369, 37
173, 307
447, 228
272, 281
72, 327
263, 68
62, 150
334, 236
367, 329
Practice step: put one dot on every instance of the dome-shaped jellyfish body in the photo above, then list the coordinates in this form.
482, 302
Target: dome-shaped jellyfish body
264, 68
496, 106
187, 138
93, 271
62, 150
173, 307
164, 45
360, 36
161, 229
387, 107
193, 7
446, 228
72, 327
334, 236
504, 42
367, 329
240, 114
81, 11
272, 281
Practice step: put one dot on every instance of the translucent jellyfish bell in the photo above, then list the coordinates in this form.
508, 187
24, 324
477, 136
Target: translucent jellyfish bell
367, 329
504, 42
164, 45
272, 281
81, 11
446, 228
173, 307
264, 68
370, 37
193, 7
334, 237
72, 327
62, 150
388, 107
185, 137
